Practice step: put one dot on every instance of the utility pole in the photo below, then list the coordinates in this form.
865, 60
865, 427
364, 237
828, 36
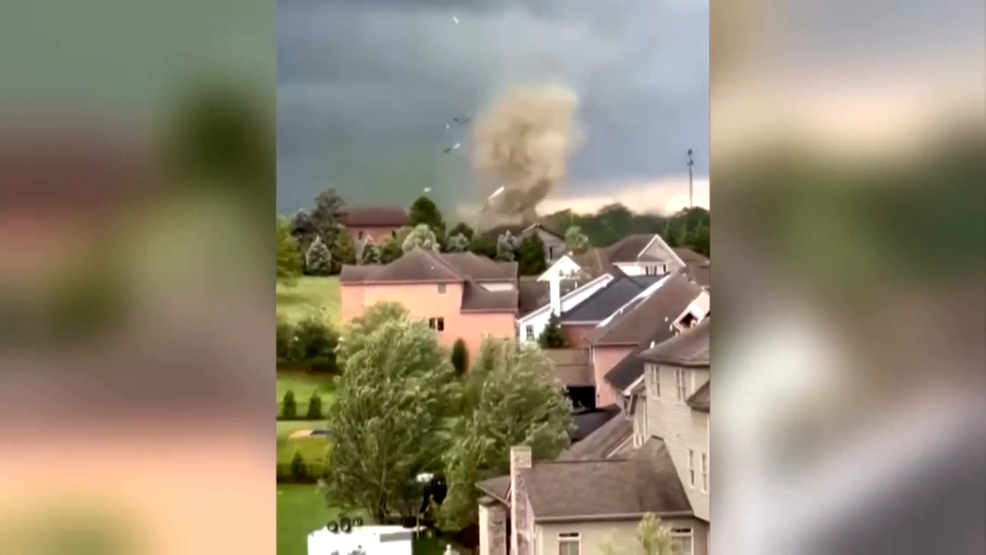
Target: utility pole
691, 193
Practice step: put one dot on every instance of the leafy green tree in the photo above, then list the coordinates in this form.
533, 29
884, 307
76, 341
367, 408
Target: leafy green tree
553, 336
506, 248
303, 229
458, 243
700, 240
421, 236
314, 407
284, 343
390, 250
483, 245
652, 538
289, 407
318, 259
326, 215
531, 257
388, 420
575, 240
289, 260
460, 356
299, 468
463, 229
509, 378
369, 252
314, 345
424, 211
343, 251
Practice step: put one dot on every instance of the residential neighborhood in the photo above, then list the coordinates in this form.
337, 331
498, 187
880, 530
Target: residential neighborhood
615, 336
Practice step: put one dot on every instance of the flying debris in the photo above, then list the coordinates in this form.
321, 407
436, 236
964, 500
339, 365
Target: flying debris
427, 189
455, 19
451, 148
464, 119
446, 126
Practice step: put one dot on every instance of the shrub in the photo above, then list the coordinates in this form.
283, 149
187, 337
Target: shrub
299, 468
314, 407
285, 338
314, 345
289, 409
553, 337
460, 356
318, 259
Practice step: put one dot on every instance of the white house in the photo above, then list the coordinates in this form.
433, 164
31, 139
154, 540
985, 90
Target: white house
644, 254
560, 269
533, 323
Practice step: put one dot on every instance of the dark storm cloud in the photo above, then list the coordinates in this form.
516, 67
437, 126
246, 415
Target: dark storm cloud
366, 88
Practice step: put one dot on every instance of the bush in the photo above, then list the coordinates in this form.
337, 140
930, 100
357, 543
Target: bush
289, 409
460, 356
314, 346
314, 407
299, 469
285, 338
553, 337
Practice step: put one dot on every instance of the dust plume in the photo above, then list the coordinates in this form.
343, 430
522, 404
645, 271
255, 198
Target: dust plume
521, 142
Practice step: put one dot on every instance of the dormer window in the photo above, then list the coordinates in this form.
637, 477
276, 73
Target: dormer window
687, 321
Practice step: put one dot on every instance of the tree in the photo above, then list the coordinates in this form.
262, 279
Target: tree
531, 257
421, 236
314, 345
460, 356
575, 240
553, 337
483, 245
318, 259
288, 254
343, 251
289, 407
458, 243
369, 253
506, 248
303, 229
652, 538
314, 407
326, 217
463, 229
390, 250
700, 240
508, 378
388, 421
424, 211
284, 343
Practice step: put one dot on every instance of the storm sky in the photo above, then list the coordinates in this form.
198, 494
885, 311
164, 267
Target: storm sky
365, 88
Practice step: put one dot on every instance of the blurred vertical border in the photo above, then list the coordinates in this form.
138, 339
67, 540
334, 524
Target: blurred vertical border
849, 191
137, 163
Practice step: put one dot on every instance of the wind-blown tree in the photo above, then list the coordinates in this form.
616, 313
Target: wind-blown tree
506, 248
424, 211
343, 251
458, 243
575, 240
700, 240
464, 229
652, 538
369, 252
289, 261
318, 259
507, 379
483, 245
531, 257
390, 250
553, 337
314, 344
325, 216
421, 236
303, 229
387, 422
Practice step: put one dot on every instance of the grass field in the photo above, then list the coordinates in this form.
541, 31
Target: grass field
301, 510
304, 385
309, 295
313, 449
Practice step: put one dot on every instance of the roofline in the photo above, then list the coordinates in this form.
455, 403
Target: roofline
579, 322
657, 237
488, 310
619, 344
556, 262
493, 495
629, 389
565, 296
681, 364
546, 230
616, 516
401, 281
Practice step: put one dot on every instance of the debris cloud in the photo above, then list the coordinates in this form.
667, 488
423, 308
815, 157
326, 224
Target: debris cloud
520, 147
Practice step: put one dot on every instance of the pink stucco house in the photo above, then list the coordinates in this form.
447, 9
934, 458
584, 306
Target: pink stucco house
461, 294
376, 223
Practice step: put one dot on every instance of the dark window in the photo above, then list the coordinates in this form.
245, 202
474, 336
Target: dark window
359, 234
437, 324
393, 233
441, 288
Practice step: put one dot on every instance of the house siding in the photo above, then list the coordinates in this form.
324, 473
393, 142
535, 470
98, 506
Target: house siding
554, 247
682, 429
603, 360
597, 536
562, 267
377, 234
577, 335
423, 301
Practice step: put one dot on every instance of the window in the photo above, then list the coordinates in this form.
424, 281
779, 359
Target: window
551, 253
682, 541
640, 422
569, 544
437, 324
691, 469
529, 333
441, 288
705, 472
359, 235
681, 383
654, 387
393, 233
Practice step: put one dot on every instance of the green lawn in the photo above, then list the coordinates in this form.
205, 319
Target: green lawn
301, 510
304, 385
313, 449
309, 295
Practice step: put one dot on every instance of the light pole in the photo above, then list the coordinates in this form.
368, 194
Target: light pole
691, 194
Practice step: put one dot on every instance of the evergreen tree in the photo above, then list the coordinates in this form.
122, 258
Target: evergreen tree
424, 211
506, 248
369, 252
318, 259
553, 336
289, 260
460, 356
343, 251
531, 257
289, 408
314, 407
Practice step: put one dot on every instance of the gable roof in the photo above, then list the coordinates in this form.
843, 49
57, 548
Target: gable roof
374, 216
699, 266
480, 268
629, 248
593, 261
600, 443
584, 490
701, 400
428, 266
564, 295
476, 298
518, 230
498, 487
643, 316
533, 295
607, 300
587, 421
689, 349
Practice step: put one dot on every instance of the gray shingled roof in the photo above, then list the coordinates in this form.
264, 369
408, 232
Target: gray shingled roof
419, 265
517, 230
628, 248
480, 268
600, 443
476, 298
498, 487
701, 400
598, 306
593, 262
643, 482
533, 295
374, 216
643, 317
699, 267
689, 348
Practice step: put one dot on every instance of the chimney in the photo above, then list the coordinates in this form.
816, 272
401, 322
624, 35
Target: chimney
520, 458
554, 290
